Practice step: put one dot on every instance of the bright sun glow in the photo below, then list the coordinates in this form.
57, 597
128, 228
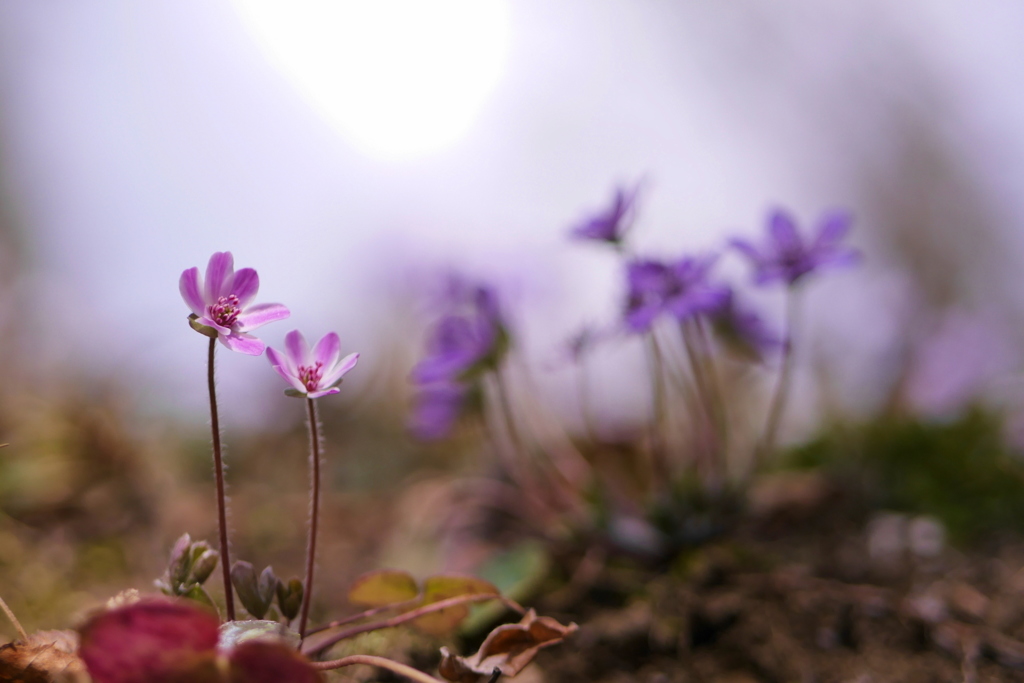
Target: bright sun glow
400, 78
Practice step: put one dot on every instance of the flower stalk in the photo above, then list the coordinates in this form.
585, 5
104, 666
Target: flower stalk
782, 385
314, 511
218, 471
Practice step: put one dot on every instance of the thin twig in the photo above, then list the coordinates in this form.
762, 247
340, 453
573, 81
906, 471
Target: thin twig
314, 510
352, 618
382, 662
405, 617
218, 470
14, 619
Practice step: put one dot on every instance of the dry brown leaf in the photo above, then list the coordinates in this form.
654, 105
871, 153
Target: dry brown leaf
508, 648
46, 657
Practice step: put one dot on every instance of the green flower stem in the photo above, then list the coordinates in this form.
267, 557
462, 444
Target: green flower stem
314, 512
218, 470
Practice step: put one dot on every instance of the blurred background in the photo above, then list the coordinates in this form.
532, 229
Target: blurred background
353, 152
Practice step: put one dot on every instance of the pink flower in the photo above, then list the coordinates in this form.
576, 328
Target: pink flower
224, 304
312, 373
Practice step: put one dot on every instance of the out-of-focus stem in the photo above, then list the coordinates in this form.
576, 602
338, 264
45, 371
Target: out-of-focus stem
406, 617
314, 512
656, 367
778, 400
218, 472
14, 620
710, 416
382, 662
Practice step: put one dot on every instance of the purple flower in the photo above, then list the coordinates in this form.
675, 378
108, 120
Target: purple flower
743, 329
680, 289
462, 343
688, 291
312, 373
609, 225
436, 408
224, 304
787, 257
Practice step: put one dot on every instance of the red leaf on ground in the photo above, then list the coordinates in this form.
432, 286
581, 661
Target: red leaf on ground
266, 662
151, 641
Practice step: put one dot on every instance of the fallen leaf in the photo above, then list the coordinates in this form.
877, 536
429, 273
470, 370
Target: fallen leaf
46, 657
437, 588
508, 648
257, 661
383, 587
152, 641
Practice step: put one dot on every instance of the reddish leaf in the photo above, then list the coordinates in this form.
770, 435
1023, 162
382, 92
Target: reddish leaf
508, 648
265, 662
383, 587
46, 656
438, 588
152, 641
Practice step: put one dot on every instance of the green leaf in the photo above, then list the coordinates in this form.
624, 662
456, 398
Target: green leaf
199, 594
383, 587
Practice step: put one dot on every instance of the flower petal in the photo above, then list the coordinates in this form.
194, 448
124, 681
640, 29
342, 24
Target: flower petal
245, 286
327, 350
209, 322
281, 362
782, 228
833, 228
297, 347
289, 377
324, 392
188, 285
261, 314
243, 343
219, 273
339, 370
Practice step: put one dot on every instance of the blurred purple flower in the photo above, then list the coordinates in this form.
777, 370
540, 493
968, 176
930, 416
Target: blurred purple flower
462, 342
466, 342
609, 225
646, 280
688, 291
787, 257
312, 373
680, 289
743, 329
224, 303
435, 410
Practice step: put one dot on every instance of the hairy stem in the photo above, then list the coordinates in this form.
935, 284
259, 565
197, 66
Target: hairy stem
406, 617
314, 512
218, 471
778, 400
382, 662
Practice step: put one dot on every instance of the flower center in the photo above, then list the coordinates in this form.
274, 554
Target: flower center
225, 311
310, 375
